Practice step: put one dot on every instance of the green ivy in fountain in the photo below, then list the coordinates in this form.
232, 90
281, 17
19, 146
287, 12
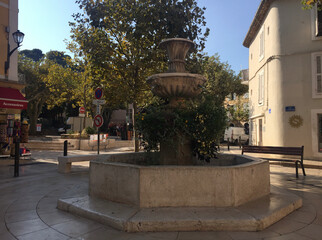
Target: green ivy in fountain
201, 120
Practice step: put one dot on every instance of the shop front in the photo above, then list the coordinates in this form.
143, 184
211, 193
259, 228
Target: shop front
11, 127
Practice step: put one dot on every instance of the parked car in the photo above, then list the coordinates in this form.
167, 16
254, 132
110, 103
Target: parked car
233, 134
64, 129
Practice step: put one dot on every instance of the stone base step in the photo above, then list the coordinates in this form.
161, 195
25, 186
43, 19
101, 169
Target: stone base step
41, 145
253, 216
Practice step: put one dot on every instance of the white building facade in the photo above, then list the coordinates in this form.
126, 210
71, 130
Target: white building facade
285, 77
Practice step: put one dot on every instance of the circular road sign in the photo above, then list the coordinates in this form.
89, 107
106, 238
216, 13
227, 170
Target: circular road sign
98, 120
81, 110
98, 93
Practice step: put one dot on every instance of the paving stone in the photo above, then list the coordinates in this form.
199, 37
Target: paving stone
312, 231
28, 208
24, 227
47, 233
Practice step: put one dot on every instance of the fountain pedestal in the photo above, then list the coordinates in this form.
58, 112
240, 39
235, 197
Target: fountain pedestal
177, 152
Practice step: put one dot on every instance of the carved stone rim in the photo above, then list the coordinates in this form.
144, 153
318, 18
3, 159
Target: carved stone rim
164, 42
169, 75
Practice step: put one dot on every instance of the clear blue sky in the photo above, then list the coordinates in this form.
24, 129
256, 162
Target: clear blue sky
45, 24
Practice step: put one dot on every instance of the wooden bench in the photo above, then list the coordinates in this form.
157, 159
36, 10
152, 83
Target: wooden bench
65, 162
291, 151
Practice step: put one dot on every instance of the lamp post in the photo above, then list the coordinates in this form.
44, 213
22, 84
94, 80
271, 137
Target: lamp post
18, 38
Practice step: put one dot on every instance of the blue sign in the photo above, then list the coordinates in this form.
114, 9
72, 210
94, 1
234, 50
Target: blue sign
269, 111
98, 93
290, 109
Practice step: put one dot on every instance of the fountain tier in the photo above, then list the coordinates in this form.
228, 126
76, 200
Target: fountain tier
176, 85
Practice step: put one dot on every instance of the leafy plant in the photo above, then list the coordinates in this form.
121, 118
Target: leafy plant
89, 130
70, 131
203, 121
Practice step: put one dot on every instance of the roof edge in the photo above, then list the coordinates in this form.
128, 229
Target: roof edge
257, 22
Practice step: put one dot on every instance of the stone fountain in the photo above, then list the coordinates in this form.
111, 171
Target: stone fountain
176, 85
232, 193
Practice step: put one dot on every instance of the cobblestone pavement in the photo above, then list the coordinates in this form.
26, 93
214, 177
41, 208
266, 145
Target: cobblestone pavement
28, 206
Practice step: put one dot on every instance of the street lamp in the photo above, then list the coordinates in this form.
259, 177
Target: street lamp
18, 38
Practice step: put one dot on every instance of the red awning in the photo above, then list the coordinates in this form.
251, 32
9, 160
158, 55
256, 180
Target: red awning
12, 98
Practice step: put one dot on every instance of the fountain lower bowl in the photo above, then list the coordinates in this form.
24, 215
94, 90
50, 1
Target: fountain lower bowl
176, 85
123, 178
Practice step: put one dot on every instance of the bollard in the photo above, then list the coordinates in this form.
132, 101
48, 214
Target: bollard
228, 144
65, 147
98, 141
17, 155
239, 142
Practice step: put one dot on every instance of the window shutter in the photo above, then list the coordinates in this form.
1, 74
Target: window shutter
261, 43
261, 88
319, 22
318, 74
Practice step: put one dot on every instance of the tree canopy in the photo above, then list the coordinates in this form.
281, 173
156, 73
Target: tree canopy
221, 79
36, 90
53, 80
34, 54
119, 40
307, 4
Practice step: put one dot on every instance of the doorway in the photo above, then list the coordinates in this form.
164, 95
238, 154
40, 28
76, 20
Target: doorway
260, 132
320, 132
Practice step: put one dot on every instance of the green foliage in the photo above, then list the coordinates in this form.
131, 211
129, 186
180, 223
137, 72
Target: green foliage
308, 4
238, 113
36, 90
53, 81
69, 131
221, 79
58, 57
203, 121
89, 130
34, 54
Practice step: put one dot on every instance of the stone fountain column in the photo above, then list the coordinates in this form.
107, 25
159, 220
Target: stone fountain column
176, 85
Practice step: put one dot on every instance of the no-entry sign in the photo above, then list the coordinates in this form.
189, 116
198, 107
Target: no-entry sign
98, 120
81, 110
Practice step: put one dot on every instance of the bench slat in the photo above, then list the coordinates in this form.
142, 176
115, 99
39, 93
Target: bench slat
274, 150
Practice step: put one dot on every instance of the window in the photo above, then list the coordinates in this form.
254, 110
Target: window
316, 23
261, 43
261, 88
317, 75
319, 132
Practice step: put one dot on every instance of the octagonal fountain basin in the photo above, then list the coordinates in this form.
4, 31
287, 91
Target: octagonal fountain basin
231, 180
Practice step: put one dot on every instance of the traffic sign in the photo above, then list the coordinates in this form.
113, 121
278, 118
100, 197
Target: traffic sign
98, 101
98, 93
81, 110
98, 109
98, 120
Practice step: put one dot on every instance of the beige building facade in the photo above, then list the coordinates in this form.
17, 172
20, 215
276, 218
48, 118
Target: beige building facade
285, 77
12, 102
